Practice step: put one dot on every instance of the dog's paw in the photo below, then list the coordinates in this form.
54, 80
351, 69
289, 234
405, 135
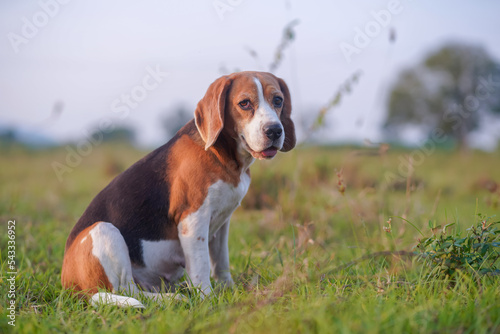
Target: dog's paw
224, 282
106, 298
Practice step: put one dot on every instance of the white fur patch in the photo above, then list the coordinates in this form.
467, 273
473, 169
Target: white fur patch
223, 199
106, 298
198, 227
264, 115
110, 248
162, 259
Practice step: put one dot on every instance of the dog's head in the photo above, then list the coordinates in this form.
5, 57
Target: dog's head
253, 108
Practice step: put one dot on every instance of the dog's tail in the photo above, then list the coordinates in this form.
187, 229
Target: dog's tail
107, 298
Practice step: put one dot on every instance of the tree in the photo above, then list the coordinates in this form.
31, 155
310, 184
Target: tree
7, 136
124, 134
451, 91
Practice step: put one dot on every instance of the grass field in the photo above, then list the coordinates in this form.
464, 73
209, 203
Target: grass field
311, 250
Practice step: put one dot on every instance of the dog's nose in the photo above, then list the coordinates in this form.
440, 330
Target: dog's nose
273, 131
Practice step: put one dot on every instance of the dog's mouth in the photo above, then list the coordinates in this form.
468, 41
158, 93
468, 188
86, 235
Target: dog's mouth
268, 153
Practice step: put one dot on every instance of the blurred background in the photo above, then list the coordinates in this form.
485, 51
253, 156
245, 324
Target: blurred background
397, 109
359, 72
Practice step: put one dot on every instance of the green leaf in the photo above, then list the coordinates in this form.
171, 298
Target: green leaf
446, 244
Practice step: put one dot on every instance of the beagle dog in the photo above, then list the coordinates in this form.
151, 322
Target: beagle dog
169, 212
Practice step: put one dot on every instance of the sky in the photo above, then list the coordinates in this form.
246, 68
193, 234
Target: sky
108, 63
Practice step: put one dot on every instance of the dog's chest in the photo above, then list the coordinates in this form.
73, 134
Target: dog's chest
222, 199
165, 258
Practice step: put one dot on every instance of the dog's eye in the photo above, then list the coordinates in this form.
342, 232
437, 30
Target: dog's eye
277, 101
245, 104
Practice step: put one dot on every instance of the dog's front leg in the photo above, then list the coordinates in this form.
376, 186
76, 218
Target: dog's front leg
193, 235
219, 256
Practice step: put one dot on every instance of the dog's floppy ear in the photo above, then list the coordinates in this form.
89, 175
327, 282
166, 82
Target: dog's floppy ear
285, 118
209, 114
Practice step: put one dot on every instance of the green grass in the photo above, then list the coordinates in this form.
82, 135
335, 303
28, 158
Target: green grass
299, 248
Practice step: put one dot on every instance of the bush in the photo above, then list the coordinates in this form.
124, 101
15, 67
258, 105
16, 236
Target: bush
477, 252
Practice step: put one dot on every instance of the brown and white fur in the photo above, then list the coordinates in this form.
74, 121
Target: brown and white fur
170, 211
